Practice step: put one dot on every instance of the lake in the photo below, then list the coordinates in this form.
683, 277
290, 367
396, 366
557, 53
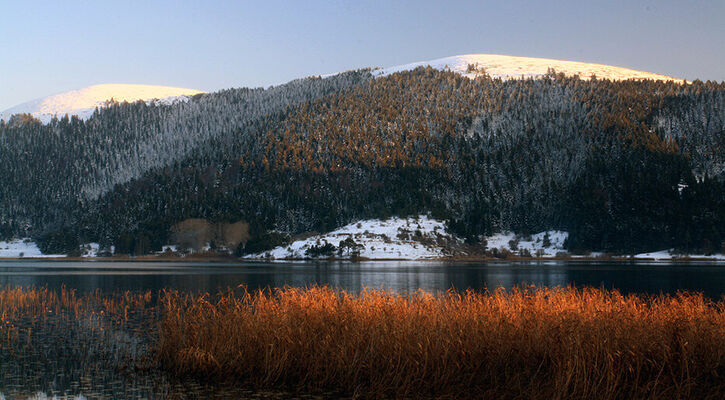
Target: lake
638, 277
57, 357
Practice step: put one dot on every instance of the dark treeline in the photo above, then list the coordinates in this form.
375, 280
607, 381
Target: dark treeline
623, 166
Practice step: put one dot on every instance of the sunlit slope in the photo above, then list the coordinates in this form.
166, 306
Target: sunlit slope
83, 102
510, 67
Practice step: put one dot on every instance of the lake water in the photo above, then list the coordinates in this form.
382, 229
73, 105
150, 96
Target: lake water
641, 277
53, 356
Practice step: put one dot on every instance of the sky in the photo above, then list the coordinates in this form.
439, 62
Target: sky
49, 47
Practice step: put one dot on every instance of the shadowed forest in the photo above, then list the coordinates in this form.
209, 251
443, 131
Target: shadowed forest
624, 167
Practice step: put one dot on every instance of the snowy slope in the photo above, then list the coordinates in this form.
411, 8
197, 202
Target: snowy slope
394, 238
671, 254
83, 102
20, 248
534, 244
413, 238
510, 67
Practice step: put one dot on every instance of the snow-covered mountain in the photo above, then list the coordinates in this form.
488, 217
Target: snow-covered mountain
510, 67
83, 102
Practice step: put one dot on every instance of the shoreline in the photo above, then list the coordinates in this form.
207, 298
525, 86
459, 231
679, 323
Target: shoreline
232, 259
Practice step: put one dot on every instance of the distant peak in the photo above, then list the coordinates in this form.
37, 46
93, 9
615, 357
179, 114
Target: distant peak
83, 102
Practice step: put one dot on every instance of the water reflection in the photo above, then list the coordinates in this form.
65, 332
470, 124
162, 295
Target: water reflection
397, 275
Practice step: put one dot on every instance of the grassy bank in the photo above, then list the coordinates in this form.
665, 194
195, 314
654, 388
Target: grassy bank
529, 343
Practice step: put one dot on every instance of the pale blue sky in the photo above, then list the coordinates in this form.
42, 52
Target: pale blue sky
48, 47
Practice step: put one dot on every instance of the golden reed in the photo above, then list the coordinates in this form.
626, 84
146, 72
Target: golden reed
522, 343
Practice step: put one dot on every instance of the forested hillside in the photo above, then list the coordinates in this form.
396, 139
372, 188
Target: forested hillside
50, 172
622, 166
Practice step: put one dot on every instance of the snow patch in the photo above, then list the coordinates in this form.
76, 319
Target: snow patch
510, 67
534, 244
19, 248
93, 250
169, 248
412, 238
83, 102
90, 250
670, 254
656, 255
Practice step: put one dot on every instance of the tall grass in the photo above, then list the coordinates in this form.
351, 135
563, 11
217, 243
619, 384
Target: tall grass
522, 343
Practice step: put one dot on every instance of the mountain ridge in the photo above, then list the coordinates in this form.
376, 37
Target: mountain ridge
82, 102
512, 67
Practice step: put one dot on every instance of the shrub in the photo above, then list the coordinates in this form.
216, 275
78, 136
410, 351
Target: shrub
324, 250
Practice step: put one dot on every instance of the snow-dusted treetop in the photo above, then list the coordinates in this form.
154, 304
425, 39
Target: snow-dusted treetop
510, 67
83, 102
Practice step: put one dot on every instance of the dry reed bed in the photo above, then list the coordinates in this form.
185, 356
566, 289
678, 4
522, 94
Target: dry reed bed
522, 343
62, 343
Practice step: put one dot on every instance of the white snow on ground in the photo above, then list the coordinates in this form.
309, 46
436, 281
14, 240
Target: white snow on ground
413, 238
510, 67
83, 102
394, 238
532, 243
656, 255
22, 248
668, 255
90, 250
169, 248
